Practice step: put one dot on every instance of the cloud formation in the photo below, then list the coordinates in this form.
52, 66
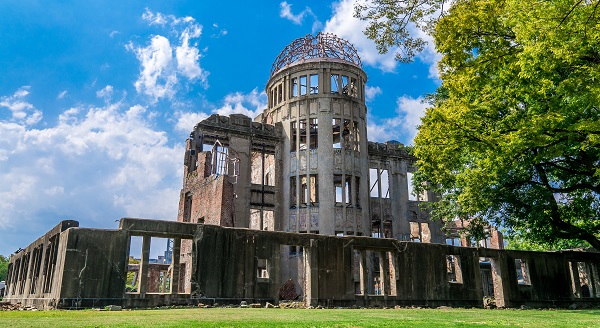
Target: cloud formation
286, 12
250, 104
408, 117
164, 62
95, 165
21, 111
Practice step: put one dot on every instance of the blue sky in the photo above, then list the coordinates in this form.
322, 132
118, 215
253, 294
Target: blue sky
97, 97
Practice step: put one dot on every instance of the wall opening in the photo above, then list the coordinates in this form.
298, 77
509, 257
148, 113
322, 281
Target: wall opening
584, 279
335, 84
522, 272
262, 269
337, 136
314, 133
303, 85
257, 168
294, 87
159, 265
302, 135
292, 273
453, 269
134, 260
314, 84
337, 185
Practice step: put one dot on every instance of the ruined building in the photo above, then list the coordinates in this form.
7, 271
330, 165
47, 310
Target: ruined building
296, 204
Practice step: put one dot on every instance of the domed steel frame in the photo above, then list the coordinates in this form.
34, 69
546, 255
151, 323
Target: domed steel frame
322, 45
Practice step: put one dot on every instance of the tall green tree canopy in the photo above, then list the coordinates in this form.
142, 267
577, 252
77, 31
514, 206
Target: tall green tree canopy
512, 136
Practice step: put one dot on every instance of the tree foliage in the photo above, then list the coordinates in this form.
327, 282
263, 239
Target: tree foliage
3, 267
512, 136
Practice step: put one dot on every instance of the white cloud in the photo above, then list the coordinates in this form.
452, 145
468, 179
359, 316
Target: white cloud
371, 92
113, 33
219, 32
21, 110
168, 59
286, 12
105, 93
95, 165
408, 116
250, 104
346, 26
187, 120
62, 94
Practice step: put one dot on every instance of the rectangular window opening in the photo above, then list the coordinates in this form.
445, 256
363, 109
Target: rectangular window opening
374, 178
314, 84
522, 272
134, 259
335, 88
348, 187
262, 269
294, 87
293, 193
453, 269
302, 133
337, 185
303, 85
314, 133
337, 137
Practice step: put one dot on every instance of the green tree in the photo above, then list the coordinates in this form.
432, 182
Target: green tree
512, 136
3, 267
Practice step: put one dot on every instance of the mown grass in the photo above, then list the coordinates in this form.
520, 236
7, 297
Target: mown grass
238, 317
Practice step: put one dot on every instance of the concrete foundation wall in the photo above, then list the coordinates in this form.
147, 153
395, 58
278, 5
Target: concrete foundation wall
228, 265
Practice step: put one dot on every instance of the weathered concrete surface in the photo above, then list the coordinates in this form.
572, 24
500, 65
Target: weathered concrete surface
231, 264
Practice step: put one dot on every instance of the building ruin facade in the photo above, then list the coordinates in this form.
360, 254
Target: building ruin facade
296, 204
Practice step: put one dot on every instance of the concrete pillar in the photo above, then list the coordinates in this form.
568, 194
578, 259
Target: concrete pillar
144, 266
364, 274
175, 265
312, 274
384, 268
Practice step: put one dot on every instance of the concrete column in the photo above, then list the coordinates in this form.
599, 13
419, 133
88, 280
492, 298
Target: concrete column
364, 274
576, 282
384, 268
175, 266
312, 274
499, 277
144, 266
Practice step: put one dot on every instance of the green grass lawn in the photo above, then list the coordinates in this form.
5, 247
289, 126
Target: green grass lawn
238, 317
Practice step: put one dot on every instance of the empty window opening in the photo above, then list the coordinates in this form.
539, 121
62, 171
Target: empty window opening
335, 83
314, 84
279, 93
379, 183
344, 85
337, 136
411, 194
293, 135
262, 219
303, 85
387, 229
294, 87
349, 190
347, 135
159, 265
292, 272
376, 227
352, 88
302, 134
453, 269
487, 282
50, 263
337, 185
314, 133
187, 207
415, 232
356, 134
134, 259
293, 194
585, 281
262, 269
453, 241
37, 264
262, 168
225, 161
522, 272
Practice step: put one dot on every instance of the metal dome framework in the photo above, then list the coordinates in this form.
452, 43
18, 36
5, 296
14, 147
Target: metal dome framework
322, 45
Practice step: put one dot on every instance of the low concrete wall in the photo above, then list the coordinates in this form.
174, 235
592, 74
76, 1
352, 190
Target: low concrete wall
229, 265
